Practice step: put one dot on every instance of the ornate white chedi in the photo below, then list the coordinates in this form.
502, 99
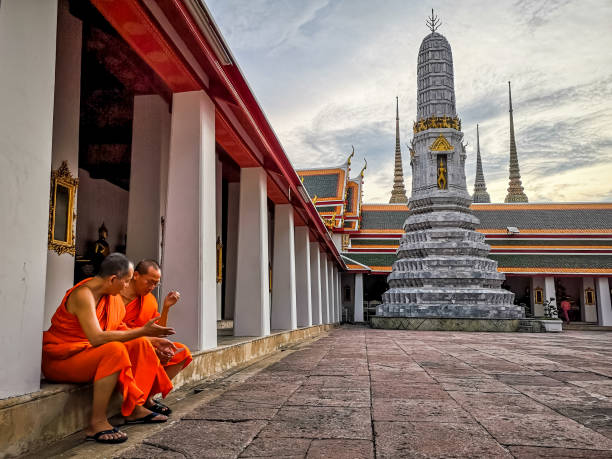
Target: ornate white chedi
442, 270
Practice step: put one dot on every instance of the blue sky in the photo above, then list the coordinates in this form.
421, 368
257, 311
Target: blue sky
326, 73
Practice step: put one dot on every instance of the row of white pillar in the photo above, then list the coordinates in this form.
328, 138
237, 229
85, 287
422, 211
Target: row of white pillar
305, 283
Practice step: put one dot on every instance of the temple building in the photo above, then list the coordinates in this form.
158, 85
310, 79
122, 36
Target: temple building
128, 126
545, 250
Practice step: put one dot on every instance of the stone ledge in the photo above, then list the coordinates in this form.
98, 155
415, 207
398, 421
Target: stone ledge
444, 324
34, 420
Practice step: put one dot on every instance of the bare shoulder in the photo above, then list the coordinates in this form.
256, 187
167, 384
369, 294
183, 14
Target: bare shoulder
81, 298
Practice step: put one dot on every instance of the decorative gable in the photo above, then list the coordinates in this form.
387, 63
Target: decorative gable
441, 144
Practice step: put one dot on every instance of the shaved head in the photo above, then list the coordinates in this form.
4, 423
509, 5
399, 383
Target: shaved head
116, 264
143, 266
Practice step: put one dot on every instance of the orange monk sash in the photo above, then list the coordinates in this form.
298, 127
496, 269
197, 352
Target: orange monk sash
142, 309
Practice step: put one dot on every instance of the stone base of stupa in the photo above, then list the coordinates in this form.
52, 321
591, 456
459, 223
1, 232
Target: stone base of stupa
441, 324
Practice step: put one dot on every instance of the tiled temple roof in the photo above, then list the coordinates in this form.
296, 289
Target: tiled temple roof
552, 261
383, 216
553, 216
322, 186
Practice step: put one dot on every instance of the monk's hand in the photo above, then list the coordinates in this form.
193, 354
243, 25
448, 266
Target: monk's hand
164, 348
171, 299
157, 331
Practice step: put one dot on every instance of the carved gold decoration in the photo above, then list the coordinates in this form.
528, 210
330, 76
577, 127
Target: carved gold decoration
314, 200
219, 260
61, 211
364, 167
436, 122
589, 296
345, 241
348, 161
441, 144
330, 222
538, 295
441, 175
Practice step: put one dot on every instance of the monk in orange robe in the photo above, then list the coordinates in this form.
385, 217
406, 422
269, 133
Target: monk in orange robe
89, 342
140, 308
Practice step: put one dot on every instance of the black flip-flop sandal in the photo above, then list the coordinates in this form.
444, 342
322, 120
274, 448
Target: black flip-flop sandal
148, 419
160, 408
97, 435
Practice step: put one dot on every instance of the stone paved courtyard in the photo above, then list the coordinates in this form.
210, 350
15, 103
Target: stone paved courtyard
359, 392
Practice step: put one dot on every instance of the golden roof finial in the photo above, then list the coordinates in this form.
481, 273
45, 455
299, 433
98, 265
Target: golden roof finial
348, 161
364, 167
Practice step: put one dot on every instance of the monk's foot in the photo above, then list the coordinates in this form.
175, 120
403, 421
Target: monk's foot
144, 415
102, 426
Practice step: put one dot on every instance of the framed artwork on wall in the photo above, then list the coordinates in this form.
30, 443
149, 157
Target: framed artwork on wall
62, 210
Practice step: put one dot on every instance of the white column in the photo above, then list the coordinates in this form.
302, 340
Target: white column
316, 287
231, 251
66, 117
589, 311
252, 310
604, 306
284, 316
549, 290
219, 225
27, 74
330, 287
338, 297
358, 298
190, 247
150, 132
324, 289
302, 277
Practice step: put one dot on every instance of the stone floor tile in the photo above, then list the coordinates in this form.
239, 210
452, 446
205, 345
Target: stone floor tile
277, 447
407, 390
428, 440
543, 430
484, 404
419, 410
341, 449
596, 418
404, 376
572, 376
475, 385
534, 452
566, 396
227, 409
149, 452
320, 422
353, 382
315, 396
603, 387
528, 380
207, 438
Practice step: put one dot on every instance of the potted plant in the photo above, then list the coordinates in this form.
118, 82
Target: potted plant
551, 321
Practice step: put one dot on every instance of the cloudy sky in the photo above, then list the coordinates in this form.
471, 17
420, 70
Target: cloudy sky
326, 72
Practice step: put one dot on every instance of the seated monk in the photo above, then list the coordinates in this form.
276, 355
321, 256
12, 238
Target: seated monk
140, 308
88, 342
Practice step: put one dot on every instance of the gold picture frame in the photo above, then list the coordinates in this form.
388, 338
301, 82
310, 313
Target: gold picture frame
61, 210
539, 295
589, 296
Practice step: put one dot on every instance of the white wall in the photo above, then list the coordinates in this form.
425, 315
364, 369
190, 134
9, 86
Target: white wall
589, 311
65, 145
27, 74
150, 143
100, 201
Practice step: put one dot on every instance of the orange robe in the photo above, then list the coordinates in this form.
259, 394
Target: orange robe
142, 309
68, 356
